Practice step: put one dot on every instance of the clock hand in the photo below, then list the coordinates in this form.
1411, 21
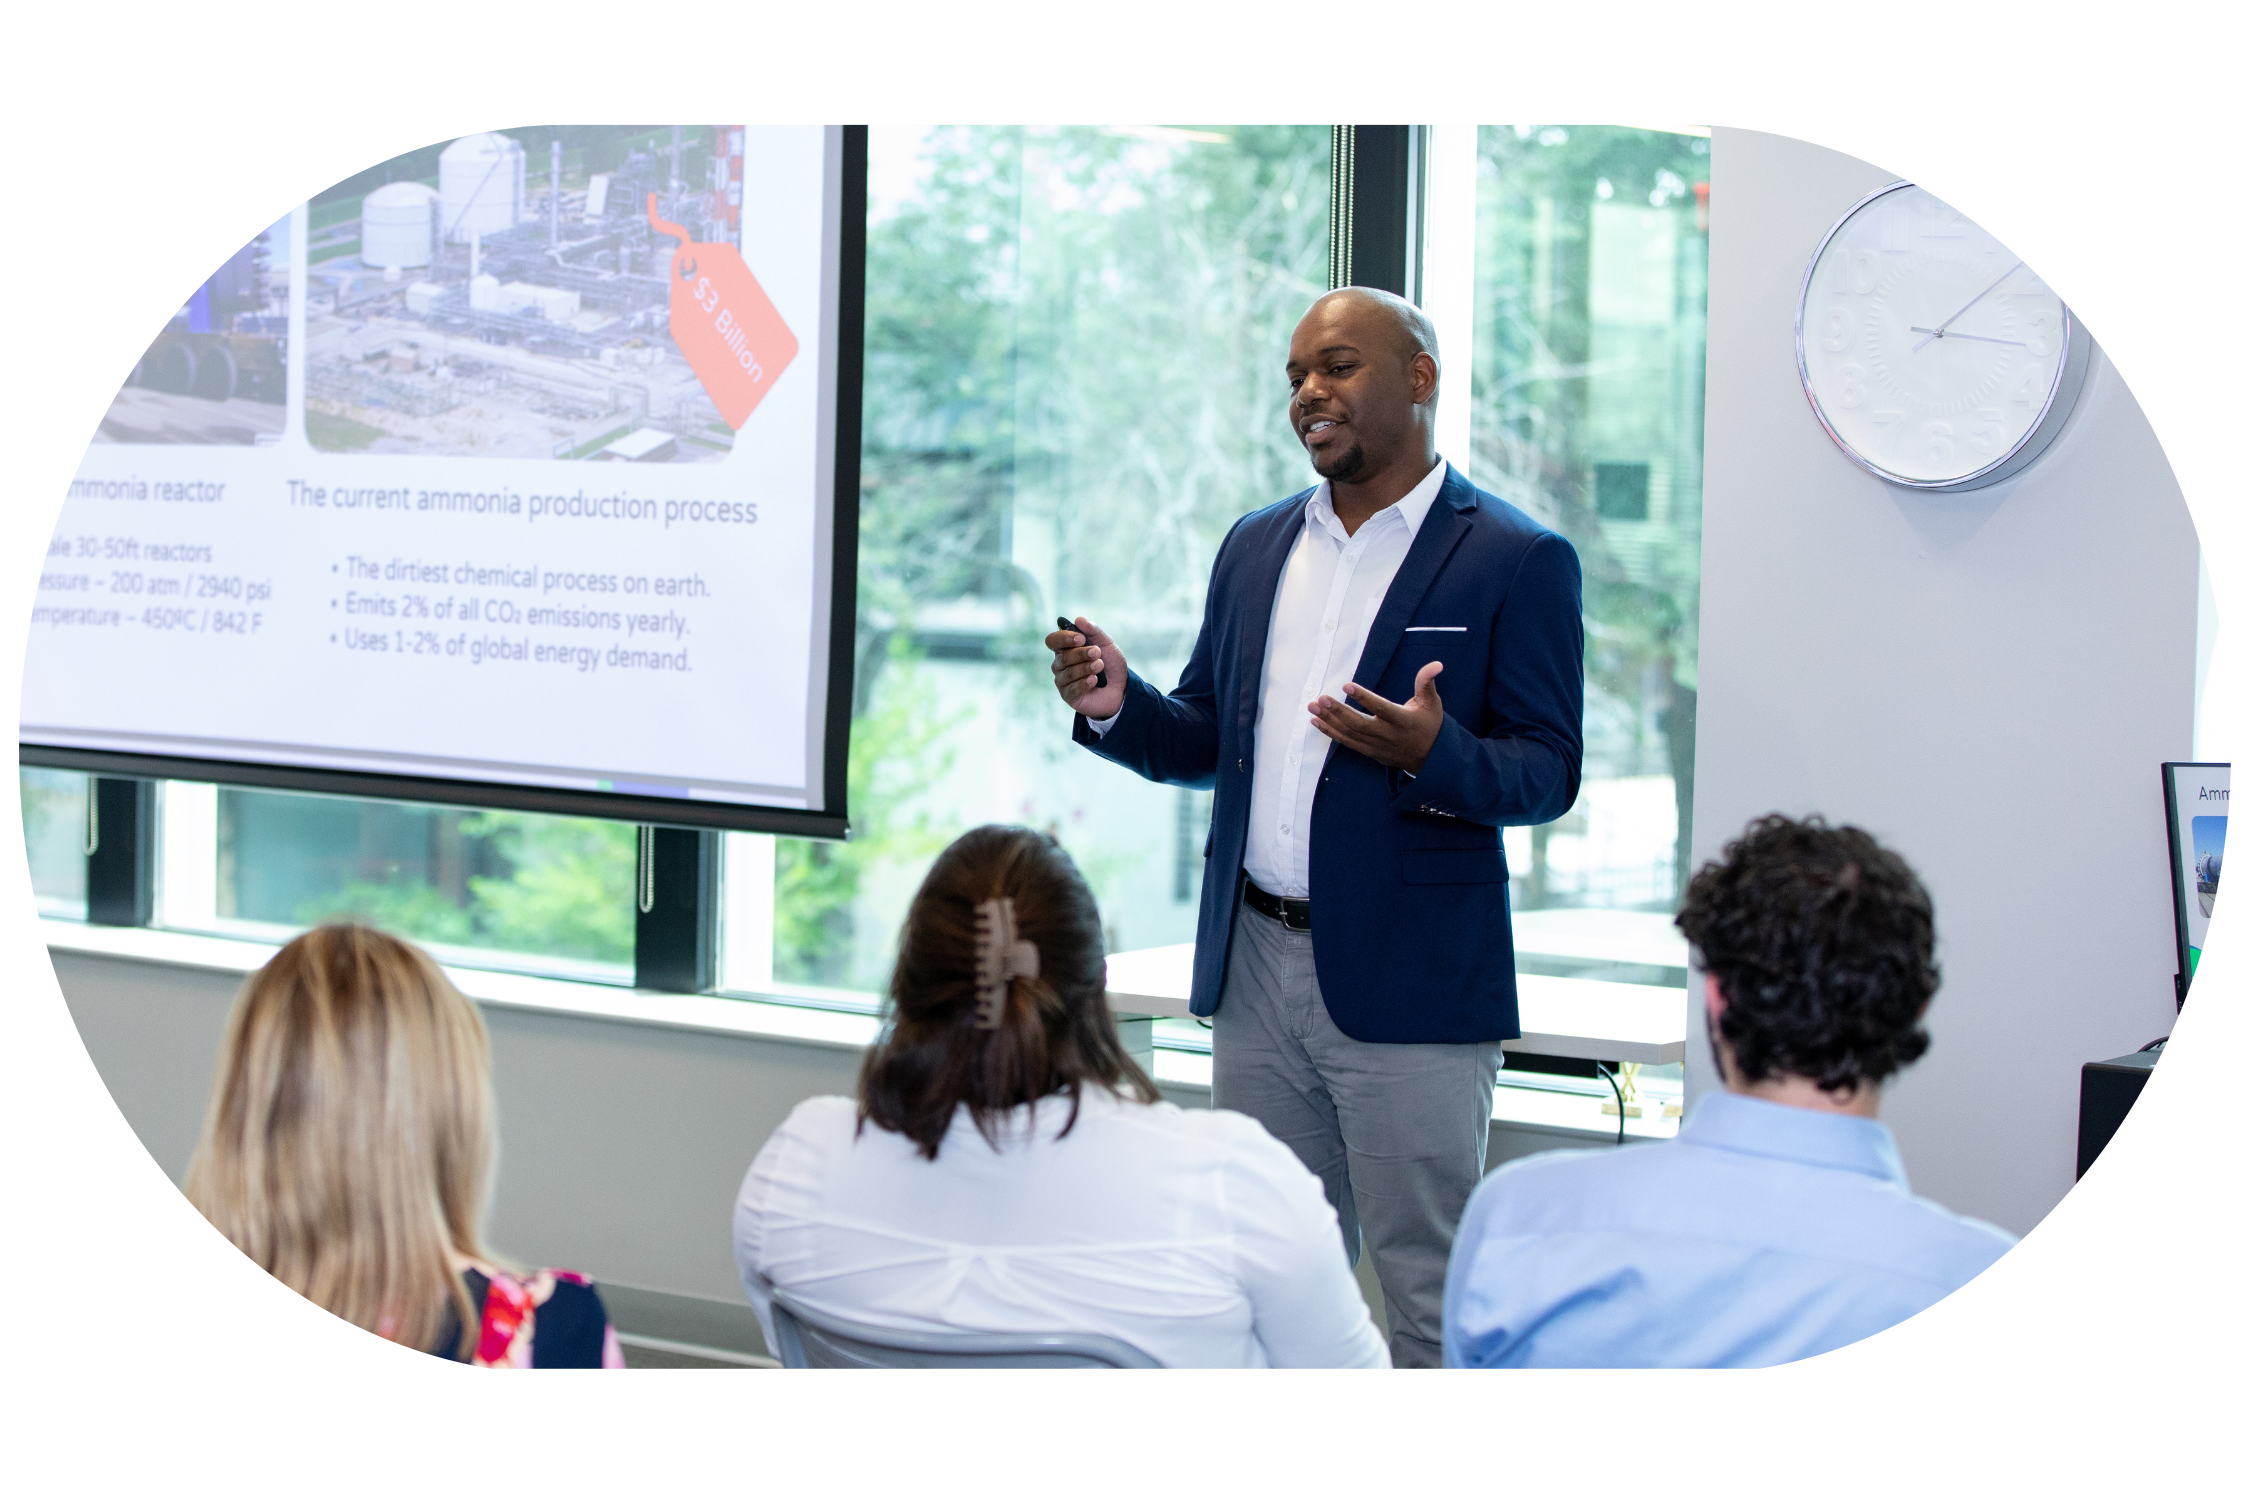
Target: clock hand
1939, 331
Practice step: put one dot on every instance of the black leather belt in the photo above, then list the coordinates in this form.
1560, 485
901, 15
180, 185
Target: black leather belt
1292, 914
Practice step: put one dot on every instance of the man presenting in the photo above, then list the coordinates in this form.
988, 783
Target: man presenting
1346, 786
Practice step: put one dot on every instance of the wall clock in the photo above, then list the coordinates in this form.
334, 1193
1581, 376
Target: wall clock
1933, 355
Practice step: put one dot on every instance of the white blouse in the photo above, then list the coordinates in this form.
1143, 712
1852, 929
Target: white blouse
1192, 1235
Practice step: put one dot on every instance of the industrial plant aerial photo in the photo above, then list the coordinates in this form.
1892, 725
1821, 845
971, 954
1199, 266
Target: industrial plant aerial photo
505, 295
219, 372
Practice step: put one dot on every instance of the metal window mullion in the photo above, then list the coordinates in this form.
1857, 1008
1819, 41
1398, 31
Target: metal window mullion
120, 851
1341, 170
676, 923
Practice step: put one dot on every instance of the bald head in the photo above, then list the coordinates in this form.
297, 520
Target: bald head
1406, 323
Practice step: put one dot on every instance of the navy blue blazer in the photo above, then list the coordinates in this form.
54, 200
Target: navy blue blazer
1409, 885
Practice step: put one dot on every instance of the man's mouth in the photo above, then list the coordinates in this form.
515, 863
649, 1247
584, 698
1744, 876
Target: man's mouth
1317, 426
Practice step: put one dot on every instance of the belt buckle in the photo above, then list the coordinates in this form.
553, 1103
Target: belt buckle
1277, 908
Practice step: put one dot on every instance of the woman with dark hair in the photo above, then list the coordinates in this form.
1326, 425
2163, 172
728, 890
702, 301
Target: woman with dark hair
1008, 1169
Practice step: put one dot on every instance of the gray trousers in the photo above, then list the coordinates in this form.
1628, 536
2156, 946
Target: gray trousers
1395, 1131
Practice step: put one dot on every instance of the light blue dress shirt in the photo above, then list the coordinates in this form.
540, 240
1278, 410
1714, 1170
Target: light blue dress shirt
1762, 1233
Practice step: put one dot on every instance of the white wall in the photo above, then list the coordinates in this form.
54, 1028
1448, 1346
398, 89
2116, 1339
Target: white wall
622, 1145
1986, 682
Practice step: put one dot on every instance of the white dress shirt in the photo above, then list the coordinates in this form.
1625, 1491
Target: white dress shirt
1332, 586
1192, 1235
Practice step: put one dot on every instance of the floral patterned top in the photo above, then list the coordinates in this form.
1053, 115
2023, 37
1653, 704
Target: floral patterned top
543, 1320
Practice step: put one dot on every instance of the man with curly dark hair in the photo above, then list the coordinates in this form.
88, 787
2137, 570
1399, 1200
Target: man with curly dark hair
1778, 1223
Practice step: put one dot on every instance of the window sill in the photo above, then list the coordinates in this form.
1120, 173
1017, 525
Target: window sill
452, 957
706, 1013
1575, 1117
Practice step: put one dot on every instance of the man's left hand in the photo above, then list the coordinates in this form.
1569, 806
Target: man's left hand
1390, 734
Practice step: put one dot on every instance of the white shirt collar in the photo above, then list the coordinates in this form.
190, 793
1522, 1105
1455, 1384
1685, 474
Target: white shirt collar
1410, 507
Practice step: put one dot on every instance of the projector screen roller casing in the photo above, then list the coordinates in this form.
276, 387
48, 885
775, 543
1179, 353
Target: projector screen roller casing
512, 544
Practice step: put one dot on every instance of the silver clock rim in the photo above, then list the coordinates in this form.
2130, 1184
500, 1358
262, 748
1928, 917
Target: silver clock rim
2070, 372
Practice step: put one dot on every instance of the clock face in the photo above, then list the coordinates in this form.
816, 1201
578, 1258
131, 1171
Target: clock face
1933, 355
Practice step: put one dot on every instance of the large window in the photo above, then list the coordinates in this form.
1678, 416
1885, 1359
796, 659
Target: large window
1075, 340
517, 888
1592, 246
1584, 321
55, 836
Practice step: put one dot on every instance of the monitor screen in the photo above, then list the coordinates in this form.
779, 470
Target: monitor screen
2195, 805
520, 470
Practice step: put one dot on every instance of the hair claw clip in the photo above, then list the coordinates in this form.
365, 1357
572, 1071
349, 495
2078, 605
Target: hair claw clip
1001, 958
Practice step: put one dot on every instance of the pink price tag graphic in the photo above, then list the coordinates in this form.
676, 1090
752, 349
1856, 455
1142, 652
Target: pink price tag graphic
725, 325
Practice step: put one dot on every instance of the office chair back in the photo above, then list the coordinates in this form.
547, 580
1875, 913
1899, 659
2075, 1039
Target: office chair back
816, 1341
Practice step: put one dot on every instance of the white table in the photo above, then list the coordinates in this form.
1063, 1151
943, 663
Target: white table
1595, 934
1635, 1023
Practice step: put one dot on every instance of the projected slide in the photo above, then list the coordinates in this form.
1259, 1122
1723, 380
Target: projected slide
217, 373
522, 476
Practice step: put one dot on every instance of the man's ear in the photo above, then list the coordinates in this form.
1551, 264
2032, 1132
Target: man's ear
1714, 1003
1422, 377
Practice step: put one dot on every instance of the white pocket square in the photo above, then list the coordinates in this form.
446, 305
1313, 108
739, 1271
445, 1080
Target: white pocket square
1448, 629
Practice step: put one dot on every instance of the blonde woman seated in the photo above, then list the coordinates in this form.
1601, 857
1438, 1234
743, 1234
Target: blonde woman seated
1007, 1169
347, 1148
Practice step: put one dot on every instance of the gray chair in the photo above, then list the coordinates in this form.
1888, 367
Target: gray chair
815, 1341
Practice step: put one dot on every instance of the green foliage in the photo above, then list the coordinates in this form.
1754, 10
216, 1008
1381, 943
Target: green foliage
412, 908
570, 890
1558, 391
567, 891
1080, 332
1565, 383
938, 456
895, 756
1073, 387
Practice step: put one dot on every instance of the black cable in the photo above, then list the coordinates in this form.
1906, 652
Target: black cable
2155, 1046
1620, 1093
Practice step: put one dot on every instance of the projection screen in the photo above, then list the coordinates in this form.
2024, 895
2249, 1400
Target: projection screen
518, 471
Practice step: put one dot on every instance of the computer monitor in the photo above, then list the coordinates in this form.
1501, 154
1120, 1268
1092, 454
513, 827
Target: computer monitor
2195, 814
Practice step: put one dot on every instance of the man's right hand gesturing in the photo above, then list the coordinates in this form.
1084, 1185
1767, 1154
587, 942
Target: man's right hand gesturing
1081, 656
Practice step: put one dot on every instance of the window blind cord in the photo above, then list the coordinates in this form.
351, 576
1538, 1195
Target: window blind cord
646, 876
